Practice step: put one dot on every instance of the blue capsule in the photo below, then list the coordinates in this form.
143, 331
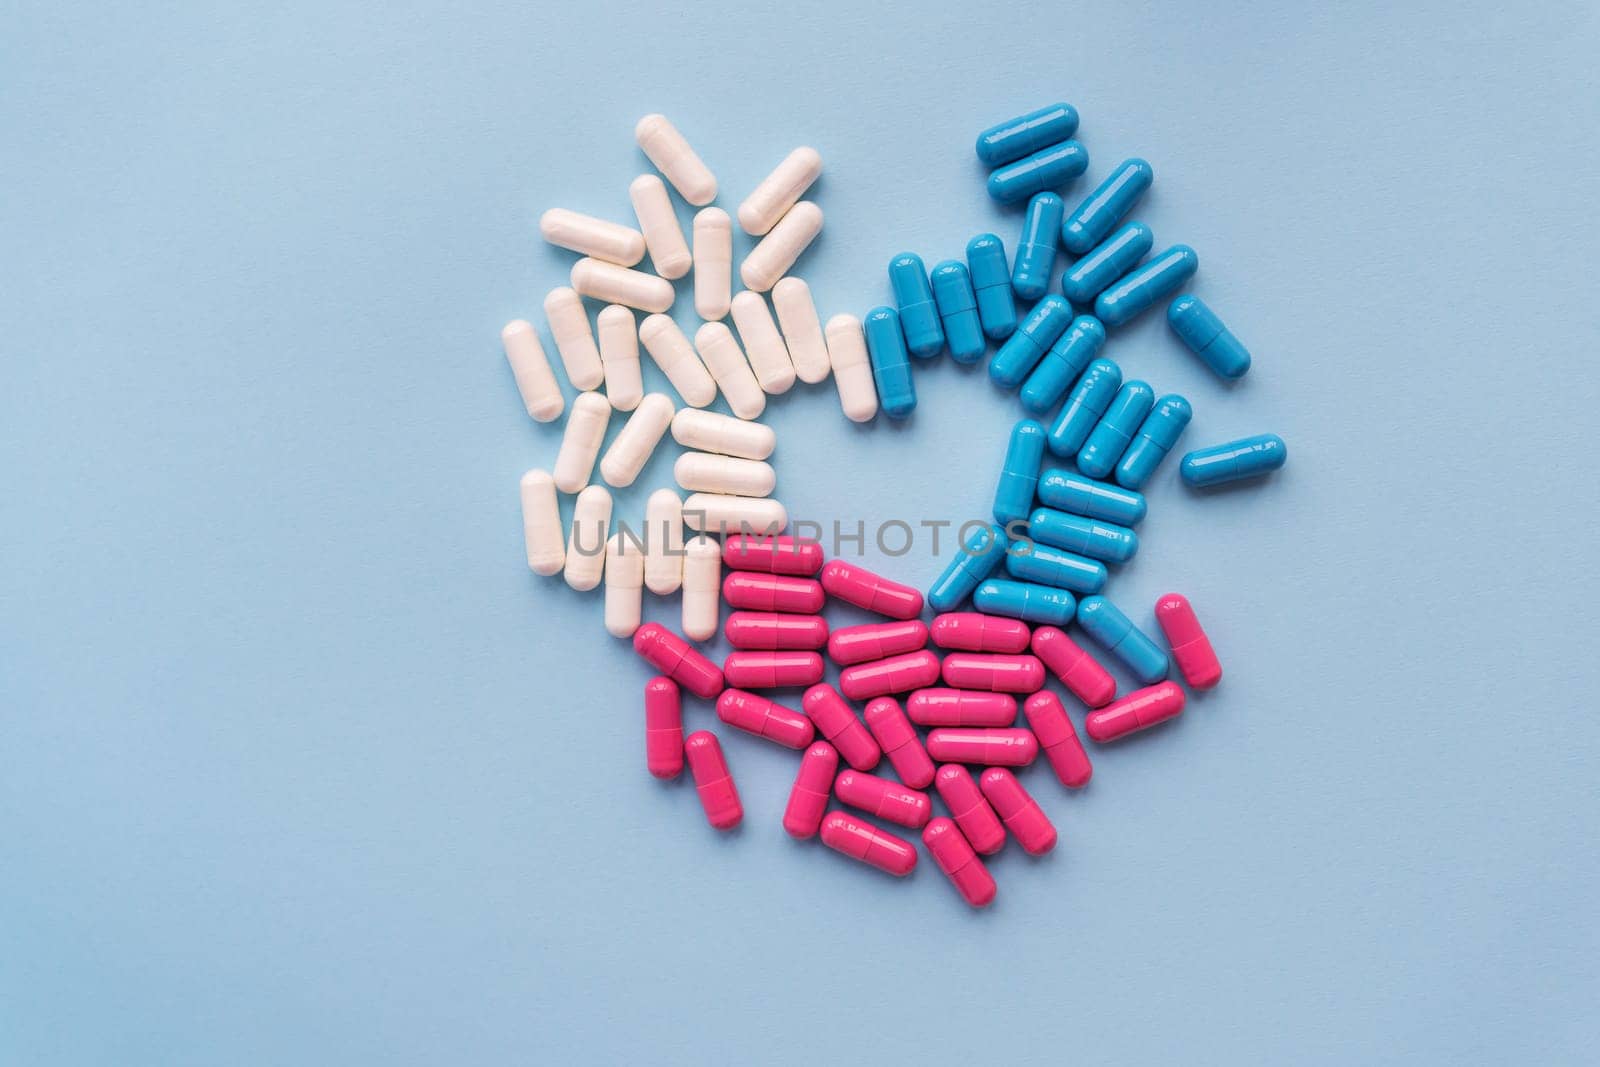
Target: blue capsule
1086, 537
1111, 630
1060, 367
1019, 474
991, 284
1033, 562
1068, 491
919, 316
891, 367
1085, 404
1036, 247
1008, 141
1155, 439
1114, 432
976, 559
1134, 292
1114, 257
1244, 458
1042, 605
1046, 322
1046, 169
1207, 337
1102, 209
958, 311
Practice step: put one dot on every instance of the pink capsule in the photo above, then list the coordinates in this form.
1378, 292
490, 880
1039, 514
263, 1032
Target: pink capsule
1019, 811
973, 631
772, 670
996, 673
859, 586
712, 780
978, 822
772, 630
1139, 709
838, 723
813, 786
1049, 722
865, 842
757, 715
988, 748
1078, 671
899, 741
875, 640
663, 727
1190, 645
897, 674
961, 707
782, 554
674, 657
954, 855
753, 591
887, 800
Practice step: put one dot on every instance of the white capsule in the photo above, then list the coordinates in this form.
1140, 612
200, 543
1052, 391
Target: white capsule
619, 356
707, 472
702, 588
780, 190
637, 440
678, 360
772, 258
712, 431
669, 252
727, 365
624, 584
802, 330
621, 285
586, 546
569, 325
671, 154
580, 442
713, 263
769, 357
718, 513
590, 236
541, 523
663, 533
852, 371
531, 367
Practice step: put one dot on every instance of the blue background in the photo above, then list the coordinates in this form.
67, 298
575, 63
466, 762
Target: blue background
300, 764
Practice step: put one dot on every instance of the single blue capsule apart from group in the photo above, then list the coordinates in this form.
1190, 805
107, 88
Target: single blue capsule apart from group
1048, 168
1147, 284
891, 367
976, 559
1085, 404
1069, 491
1047, 565
1060, 367
1244, 458
1155, 439
1113, 631
1199, 328
958, 311
1045, 323
1036, 247
1095, 218
1008, 141
991, 285
1104, 264
1114, 432
1042, 605
1019, 474
1086, 537
919, 316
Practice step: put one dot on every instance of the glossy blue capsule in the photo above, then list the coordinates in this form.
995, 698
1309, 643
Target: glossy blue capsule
919, 315
1036, 247
1154, 440
1072, 353
1094, 219
1047, 321
1047, 565
1049, 168
1069, 491
1244, 458
1110, 260
991, 285
891, 367
958, 311
1114, 432
1042, 605
1019, 474
1113, 631
1086, 537
1008, 141
976, 559
1085, 404
1199, 328
1147, 284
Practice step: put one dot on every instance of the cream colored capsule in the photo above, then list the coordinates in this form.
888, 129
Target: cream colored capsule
702, 588
769, 357
802, 330
624, 584
719, 513
713, 263
772, 258
541, 523
637, 440
852, 371
671, 154
569, 325
669, 252
531, 367
590, 236
619, 356
663, 542
711, 431
727, 365
678, 360
780, 190
621, 285
580, 442
707, 472
586, 546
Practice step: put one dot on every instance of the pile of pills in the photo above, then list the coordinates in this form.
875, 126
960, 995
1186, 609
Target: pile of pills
1005, 601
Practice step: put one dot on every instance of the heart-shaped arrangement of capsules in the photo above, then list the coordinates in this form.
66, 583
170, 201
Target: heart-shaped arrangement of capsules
1038, 567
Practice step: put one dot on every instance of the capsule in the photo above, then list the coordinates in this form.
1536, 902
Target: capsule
978, 822
536, 382
752, 591
707, 472
1146, 284
1114, 432
590, 236
586, 541
1027, 601
993, 672
1115, 632
1244, 458
1199, 328
763, 344
971, 631
1019, 474
1095, 218
624, 584
599, 280
976, 558
1067, 491
813, 788
580, 442
891, 366
883, 799
702, 608
783, 244
1155, 439
991, 286
1068, 358
663, 542
780, 190
802, 329
836, 722
1009, 141
1085, 404
1106, 262
774, 631
1054, 566
1138, 710
871, 592
1078, 671
852, 369
919, 315
669, 252
1012, 747
876, 640
678, 660
961, 707
958, 311
899, 741
713, 263
666, 148
1197, 661
892, 674
541, 523
757, 715
1058, 741
663, 727
637, 441
1019, 812
569, 325
956, 858
1047, 168
721, 514
785, 554
678, 360
772, 670
709, 431
1047, 321
872, 846
725, 360
712, 782
1086, 537
1036, 247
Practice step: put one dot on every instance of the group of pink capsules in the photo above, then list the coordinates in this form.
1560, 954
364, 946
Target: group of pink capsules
778, 586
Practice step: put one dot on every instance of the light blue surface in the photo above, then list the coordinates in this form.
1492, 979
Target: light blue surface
301, 765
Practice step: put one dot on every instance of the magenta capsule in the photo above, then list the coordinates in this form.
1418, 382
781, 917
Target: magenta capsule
865, 842
954, 855
1020, 812
836, 721
873, 592
995, 673
1190, 645
678, 660
712, 780
782, 554
876, 640
899, 741
753, 591
1078, 671
978, 822
897, 674
772, 630
883, 798
1138, 710
1058, 740
663, 727
961, 707
813, 786
973, 631
989, 748
757, 715
772, 670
